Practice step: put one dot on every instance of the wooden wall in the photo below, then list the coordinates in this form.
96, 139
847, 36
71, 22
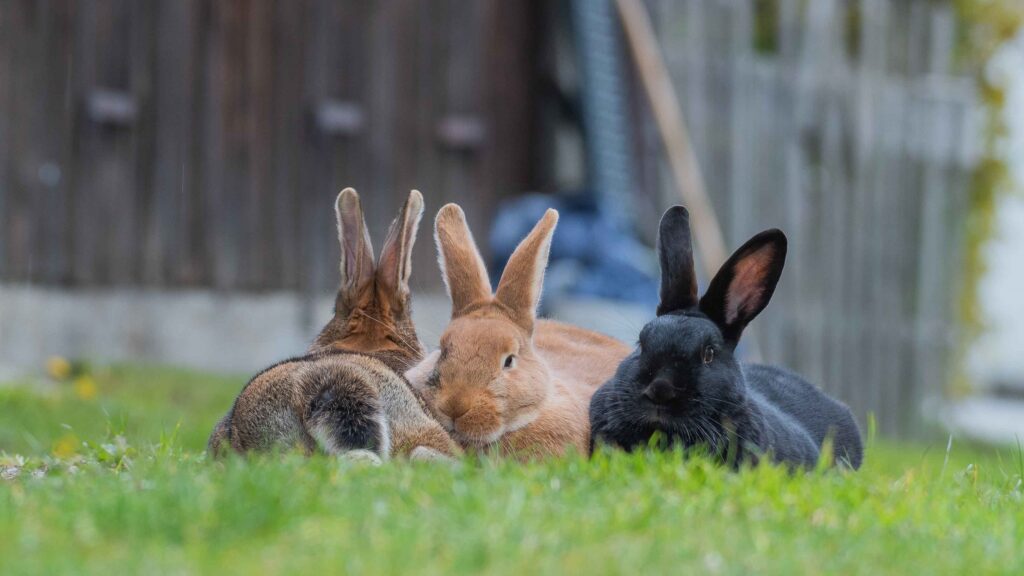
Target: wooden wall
202, 142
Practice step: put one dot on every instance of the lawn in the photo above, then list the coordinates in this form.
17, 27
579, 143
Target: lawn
112, 479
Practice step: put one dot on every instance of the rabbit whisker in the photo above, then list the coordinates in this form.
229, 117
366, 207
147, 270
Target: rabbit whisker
393, 332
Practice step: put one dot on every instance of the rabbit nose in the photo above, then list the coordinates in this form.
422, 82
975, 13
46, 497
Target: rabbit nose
456, 410
660, 391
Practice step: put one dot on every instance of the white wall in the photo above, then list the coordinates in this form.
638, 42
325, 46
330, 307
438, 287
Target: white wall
213, 331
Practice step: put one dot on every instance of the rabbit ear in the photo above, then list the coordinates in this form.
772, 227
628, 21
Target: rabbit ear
356, 249
745, 283
675, 252
461, 265
395, 264
520, 286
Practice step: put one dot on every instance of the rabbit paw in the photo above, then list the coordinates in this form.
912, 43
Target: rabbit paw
426, 454
362, 457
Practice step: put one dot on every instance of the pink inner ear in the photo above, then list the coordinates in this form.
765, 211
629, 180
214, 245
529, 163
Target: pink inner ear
353, 262
351, 243
746, 290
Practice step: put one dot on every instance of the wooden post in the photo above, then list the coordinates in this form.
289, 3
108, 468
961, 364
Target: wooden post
665, 104
682, 160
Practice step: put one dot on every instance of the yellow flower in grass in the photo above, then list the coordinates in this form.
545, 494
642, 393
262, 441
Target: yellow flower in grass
85, 387
58, 367
66, 446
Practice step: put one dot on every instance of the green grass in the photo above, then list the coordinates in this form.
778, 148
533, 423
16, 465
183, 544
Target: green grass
139, 402
150, 502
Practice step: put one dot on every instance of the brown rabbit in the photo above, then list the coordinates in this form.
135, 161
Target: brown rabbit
348, 395
489, 384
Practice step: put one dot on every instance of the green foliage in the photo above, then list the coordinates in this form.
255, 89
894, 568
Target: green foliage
149, 501
766, 26
985, 26
137, 402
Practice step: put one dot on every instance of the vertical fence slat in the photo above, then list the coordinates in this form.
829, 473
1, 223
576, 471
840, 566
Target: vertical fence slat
741, 196
84, 268
289, 117
165, 244
144, 49
7, 46
256, 245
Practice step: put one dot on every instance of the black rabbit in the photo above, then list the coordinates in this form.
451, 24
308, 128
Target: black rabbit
684, 381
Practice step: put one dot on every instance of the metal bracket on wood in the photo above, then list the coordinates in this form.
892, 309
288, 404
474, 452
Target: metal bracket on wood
111, 107
461, 133
339, 117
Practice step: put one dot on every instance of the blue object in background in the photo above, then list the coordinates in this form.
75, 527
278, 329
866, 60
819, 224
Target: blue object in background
591, 256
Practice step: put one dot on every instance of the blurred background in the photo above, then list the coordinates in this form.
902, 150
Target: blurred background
168, 168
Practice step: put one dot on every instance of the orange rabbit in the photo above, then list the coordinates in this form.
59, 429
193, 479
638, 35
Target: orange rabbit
502, 379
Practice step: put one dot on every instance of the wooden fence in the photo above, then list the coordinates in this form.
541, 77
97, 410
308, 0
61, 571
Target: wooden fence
844, 124
201, 142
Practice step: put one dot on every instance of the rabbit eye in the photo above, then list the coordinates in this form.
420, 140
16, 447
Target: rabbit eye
510, 361
709, 354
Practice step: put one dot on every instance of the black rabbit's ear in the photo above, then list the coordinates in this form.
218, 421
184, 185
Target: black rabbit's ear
745, 283
675, 252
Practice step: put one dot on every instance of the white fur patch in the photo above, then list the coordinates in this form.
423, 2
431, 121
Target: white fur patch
493, 437
322, 434
521, 420
478, 441
444, 420
385, 431
362, 456
427, 454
